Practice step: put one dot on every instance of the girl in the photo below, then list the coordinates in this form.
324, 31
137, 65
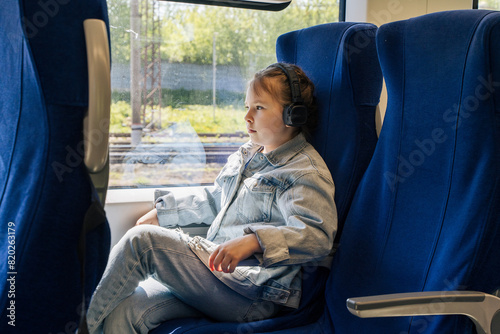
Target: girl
271, 210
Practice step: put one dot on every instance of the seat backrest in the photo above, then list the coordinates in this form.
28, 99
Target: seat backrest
341, 60
45, 190
426, 215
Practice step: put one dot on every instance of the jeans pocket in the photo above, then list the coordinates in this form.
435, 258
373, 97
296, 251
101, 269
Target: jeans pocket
261, 310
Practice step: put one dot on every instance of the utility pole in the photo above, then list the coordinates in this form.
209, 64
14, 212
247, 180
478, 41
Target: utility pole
135, 72
145, 41
151, 58
214, 75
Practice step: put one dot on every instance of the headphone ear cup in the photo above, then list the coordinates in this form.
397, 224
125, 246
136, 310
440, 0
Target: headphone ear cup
295, 115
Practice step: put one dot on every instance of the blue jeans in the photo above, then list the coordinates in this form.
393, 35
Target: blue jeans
153, 276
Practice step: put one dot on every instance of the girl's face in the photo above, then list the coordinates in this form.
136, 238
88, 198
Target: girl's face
264, 120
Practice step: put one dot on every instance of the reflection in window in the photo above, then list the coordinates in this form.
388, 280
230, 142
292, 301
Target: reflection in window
179, 77
489, 4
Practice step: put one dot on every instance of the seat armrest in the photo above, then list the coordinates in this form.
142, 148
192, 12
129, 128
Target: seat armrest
483, 309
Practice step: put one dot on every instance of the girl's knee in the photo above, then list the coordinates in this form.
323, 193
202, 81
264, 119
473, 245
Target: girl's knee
140, 233
148, 231
152, 236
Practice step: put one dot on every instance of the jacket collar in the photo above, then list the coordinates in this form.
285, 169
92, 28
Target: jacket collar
283, 153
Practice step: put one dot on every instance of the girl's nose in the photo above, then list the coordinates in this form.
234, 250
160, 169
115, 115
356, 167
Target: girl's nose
248, 118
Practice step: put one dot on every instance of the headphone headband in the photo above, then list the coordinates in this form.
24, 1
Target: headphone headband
294, 114
293, 80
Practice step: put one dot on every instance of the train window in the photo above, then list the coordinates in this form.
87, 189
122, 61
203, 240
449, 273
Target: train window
489, 4
179, 74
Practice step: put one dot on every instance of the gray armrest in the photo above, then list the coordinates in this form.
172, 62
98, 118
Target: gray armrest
482, 308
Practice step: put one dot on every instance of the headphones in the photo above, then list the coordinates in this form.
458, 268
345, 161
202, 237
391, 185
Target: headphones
294, 114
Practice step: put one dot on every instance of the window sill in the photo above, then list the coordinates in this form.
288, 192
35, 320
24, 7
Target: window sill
125, 206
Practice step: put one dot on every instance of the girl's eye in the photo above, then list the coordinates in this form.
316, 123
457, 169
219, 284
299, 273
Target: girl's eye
259, 107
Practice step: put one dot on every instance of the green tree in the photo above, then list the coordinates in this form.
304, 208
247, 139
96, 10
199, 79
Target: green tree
244, 37
119, 26
489, 4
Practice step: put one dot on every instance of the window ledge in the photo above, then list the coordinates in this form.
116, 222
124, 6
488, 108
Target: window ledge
139, 195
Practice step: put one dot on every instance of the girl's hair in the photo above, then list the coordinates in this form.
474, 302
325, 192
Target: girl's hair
281, 92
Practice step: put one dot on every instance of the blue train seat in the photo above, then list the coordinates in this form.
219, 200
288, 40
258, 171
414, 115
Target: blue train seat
348, 82
426, 216
45, 190
341, 60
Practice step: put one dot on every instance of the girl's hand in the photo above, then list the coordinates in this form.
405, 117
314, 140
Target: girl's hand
150, 218
226, 256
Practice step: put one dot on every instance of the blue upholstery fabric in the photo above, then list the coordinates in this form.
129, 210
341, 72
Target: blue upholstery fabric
44, 187
341, 60
55, 32
345, 69
426, 216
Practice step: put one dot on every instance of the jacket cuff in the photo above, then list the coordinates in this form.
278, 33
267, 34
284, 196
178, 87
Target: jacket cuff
166, 208
273, 243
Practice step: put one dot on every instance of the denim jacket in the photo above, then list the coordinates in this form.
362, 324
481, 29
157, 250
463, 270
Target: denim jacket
285, 197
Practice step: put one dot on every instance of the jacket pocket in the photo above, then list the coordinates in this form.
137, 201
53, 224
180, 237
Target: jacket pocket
255, 200
226, 180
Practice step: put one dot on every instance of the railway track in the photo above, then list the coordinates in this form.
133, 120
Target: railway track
172, 153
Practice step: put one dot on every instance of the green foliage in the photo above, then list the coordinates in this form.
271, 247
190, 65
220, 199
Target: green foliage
179, 97
245, 38
120, 117
182, 96
119, 26
120, 96
201, 118
489, 4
